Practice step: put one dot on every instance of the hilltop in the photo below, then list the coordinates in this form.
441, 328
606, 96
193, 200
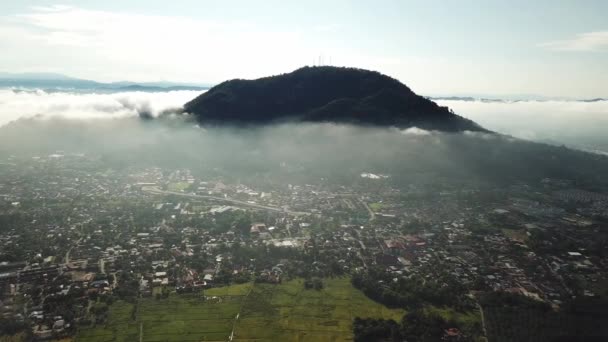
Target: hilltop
324, 94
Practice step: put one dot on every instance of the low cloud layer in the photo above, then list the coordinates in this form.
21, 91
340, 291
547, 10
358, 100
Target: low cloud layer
577, 124
108, 129
573, 123
17, 104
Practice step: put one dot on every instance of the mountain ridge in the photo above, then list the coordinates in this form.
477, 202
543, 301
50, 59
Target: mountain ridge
53, 81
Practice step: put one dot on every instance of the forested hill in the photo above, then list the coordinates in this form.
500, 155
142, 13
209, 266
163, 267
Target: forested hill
324, 94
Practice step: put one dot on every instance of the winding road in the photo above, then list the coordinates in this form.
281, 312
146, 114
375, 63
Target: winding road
372, 215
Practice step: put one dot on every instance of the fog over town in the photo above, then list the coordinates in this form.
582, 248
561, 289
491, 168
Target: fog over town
579, 124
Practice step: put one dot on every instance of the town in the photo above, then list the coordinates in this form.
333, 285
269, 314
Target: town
77, 236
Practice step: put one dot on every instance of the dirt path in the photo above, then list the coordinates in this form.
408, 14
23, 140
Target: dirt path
236, 318
483, 322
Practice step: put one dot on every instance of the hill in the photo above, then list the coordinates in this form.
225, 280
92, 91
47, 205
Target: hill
324, 94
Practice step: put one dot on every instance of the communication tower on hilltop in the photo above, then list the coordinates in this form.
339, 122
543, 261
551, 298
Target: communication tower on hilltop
321, 60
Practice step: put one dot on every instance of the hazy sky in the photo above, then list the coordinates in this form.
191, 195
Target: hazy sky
554, 48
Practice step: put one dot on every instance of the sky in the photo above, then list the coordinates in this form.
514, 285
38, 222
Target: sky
546, 48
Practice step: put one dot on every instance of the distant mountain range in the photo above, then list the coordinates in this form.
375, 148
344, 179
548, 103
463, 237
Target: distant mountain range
509, 100
58, 82
53, 82
324, 94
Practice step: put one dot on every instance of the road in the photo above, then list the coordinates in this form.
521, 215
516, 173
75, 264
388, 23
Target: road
67, 254
483, 322
372, 215
288, 227
156, 190
483, 319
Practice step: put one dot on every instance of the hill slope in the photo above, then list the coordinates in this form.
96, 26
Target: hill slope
324, 94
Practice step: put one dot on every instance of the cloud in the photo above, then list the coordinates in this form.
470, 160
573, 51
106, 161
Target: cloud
415, 131
51, 8
577, 124
590, 41
326, 28
574, 123
16, 105
144, 46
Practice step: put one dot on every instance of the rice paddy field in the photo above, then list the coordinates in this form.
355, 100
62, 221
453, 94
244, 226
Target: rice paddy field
244, 312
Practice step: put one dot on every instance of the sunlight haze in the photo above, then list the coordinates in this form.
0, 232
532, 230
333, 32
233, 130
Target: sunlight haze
435, 47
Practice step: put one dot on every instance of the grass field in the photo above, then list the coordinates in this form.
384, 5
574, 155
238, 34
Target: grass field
178, 186
469, 321
376, 206
285, 312
120, 326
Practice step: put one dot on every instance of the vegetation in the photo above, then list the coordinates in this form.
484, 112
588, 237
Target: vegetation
419, 325
414, 292
366, 330
434, 306
11, 327
324, 94
511, 318
282, 312
314, 283
178, 186
119, 326
19, 337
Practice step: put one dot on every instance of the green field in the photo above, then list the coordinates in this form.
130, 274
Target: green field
469, 321
120, 326
178, 186
376, 206
285, 312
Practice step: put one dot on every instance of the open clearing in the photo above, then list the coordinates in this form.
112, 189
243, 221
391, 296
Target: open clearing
284, 312
178, 186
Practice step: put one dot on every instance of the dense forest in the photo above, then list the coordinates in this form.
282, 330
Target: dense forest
324, 94
511, 317
413, 292
508, 317
418, 325
423, 299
